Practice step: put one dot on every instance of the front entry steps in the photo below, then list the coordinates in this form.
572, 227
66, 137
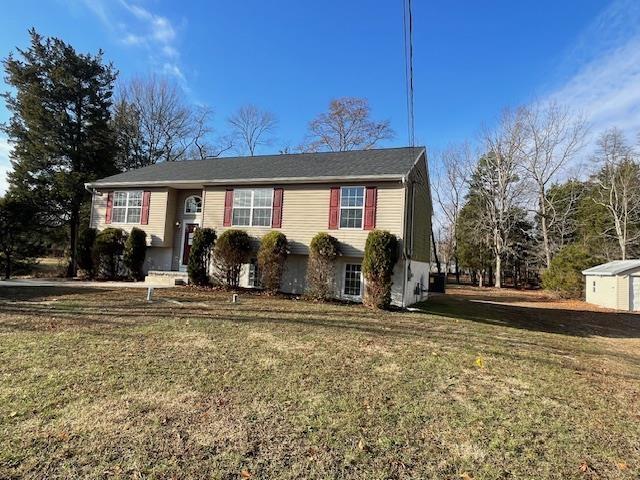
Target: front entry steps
159, 277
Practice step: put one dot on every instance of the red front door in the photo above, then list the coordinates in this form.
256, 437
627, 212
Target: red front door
189, 229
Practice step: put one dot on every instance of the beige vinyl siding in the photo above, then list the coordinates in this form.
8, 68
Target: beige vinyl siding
305, 212
418, 213
157, 214
606, 291
622, 297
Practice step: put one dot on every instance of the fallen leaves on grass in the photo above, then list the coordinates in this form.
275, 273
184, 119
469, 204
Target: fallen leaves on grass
479, 362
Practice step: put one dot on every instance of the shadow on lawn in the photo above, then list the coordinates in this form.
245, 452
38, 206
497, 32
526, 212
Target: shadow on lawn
549, 320
29, 293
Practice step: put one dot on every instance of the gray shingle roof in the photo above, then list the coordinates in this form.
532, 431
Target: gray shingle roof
615, 267
379, 163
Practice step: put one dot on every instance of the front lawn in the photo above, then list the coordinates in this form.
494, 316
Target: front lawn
99, 384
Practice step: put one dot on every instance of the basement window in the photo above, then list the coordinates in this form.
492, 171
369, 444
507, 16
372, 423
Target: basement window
353, 280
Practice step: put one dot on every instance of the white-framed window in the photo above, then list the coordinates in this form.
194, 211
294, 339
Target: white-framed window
351, 207
254, 274
352, 280
193, 204
594, 286
127, 207
252, 207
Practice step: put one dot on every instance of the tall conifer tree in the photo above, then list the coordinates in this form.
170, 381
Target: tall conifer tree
60, 129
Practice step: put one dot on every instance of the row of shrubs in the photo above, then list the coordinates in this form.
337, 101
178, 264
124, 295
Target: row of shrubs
229, 252
112, 254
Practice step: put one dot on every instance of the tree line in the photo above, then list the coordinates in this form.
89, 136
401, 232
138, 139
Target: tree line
72, 121
528, 204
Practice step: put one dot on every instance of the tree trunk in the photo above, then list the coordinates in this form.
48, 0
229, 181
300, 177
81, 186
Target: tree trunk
544, 227
498, 273
457, 270
72, 269
481, 278
7, 265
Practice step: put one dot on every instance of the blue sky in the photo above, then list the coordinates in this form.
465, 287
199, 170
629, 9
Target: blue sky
291, 57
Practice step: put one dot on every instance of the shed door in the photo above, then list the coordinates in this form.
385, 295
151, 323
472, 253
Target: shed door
634, 294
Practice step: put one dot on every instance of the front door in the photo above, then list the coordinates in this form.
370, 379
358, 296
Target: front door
189, 230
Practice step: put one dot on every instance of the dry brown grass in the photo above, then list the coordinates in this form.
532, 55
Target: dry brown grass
100, 384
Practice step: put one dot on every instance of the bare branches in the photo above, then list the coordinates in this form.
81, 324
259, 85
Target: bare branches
450, 187
497, 182
618, 186
155, 123
346, 126
553, 136
252, 128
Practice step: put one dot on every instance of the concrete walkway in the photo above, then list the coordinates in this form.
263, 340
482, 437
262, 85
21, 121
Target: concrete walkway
70, 283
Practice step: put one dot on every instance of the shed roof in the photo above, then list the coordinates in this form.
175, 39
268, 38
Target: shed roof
386, 163
615, 267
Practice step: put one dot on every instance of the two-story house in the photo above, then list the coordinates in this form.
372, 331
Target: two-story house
346, 194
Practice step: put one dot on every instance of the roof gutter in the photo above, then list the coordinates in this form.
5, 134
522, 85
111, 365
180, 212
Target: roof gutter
247, 181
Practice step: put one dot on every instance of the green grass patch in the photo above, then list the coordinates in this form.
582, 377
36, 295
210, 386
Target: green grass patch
101, 384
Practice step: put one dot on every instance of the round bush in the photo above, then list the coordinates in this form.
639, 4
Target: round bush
232, 250
204, 240
380, 256
271, 259
564, 275
109, 247
135, 251
323, 251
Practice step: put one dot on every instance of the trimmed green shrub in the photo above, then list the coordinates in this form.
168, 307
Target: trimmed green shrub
321, 267
380, 256
200, 255
86, 253
109, 247
564, 275
272, 255
232, 250
135, 250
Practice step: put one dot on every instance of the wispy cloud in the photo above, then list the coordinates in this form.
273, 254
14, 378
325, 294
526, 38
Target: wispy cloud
138, 27
604, 70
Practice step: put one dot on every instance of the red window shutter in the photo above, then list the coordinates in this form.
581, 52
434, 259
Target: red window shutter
228, 208
370, 205
276, 217
334, 208
146, 199
109, 207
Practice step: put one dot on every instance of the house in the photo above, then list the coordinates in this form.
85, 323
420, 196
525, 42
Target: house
614, 285
346, 194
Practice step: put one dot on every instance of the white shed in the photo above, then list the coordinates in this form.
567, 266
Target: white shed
614, 285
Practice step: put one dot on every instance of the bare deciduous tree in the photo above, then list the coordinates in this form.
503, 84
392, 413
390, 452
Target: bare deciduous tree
346, 126
450, 187
203, 146
497, 182
553, 136
158, 118
618, 187
252, 128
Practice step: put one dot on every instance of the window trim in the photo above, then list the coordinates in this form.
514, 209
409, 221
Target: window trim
344, 283
126, 207
184, 211
340, 207
251, 208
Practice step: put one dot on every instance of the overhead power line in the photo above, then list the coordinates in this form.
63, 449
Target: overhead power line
408, 60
